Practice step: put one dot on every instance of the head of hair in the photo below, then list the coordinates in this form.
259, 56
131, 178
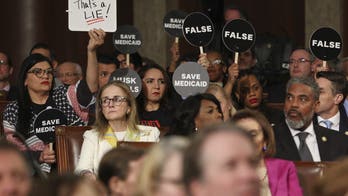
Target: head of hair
266, 127
116, 163
137, 60
45, 46
77, 67
141, 99
101, 123
184, 118
193, 167
24, 99
308, 81
338, 82
155, 161
107, 59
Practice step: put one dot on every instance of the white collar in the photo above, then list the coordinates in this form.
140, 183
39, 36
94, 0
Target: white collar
335, 119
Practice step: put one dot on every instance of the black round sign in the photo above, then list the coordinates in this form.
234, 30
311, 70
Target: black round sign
326, 44
127, 39
173, 21
238, 35
46, 122
198, 29
129, 77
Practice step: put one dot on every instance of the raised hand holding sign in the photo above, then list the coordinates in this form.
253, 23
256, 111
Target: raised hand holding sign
325, 44
198, 30
127, 39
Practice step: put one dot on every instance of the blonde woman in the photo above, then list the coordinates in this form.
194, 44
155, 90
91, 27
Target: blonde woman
116, 120
161, 173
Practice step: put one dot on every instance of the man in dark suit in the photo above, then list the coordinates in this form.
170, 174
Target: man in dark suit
297, 138
330, 112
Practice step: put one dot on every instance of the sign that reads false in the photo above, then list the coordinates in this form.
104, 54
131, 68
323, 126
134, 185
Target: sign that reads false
190, 78
45, 123
238, 35
127, 39
129, 77
85, 15
173, 22
198, 29
326, 44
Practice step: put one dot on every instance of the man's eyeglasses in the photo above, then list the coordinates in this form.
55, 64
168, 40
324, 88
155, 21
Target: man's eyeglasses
116, 100
38, 72
299, 61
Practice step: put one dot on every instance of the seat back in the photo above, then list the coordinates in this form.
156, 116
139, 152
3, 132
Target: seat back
69, 141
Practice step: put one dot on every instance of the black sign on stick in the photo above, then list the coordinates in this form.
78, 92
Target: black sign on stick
127, 39
198, 29
325, 44
129, 77
173, 22
45, 123
238, 35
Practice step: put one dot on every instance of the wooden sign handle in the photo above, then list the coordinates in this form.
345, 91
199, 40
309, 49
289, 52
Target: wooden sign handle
324, 64
176, 40
127, 59
236, 54
51, 146
201, 50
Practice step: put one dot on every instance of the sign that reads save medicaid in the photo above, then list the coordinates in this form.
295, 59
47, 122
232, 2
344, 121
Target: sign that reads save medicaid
129, 77
198, 29
127, 39
238, 35
190, 78
325, 44
173, 22
85, 15
45, 123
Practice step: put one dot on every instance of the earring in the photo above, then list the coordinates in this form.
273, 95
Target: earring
196, 129
264, 148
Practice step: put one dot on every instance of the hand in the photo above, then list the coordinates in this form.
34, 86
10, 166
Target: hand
96, 39
174, 50
233, 72
47, 155
203, 60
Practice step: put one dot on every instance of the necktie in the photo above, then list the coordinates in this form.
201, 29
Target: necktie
327, 123
305, 154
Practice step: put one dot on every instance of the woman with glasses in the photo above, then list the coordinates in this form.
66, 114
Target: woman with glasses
116, 120
36, 94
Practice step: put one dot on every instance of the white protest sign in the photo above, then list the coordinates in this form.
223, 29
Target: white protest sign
85, 15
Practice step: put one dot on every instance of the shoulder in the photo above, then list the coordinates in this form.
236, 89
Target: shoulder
11, 108
91, 134
281, 164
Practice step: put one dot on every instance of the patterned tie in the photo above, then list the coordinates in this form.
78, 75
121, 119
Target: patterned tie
327, 123
305, 154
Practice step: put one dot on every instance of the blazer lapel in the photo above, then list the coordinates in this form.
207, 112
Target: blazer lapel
323, 143
286, 144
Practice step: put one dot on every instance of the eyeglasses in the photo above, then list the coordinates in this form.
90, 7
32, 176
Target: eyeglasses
116, 100
216, 62
2, 62
38, 72
299, 61
68, 75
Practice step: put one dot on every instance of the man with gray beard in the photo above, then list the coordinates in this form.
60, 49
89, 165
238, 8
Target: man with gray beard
297, 138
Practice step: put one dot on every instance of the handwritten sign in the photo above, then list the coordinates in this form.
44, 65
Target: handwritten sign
190, 78
129, 77
85, 15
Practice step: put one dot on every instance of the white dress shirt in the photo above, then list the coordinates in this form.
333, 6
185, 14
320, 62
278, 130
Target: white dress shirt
335, 121
311, 141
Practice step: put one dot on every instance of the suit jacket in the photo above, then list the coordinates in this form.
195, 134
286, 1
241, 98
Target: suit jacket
343, 127
332, 145
282, 177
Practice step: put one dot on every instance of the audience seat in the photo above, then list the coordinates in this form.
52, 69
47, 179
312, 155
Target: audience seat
308, 172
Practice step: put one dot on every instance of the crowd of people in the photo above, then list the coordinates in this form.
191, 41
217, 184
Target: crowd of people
225, 141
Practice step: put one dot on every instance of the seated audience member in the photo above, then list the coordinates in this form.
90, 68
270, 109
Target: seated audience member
334, 182
118, 170
44, 50
14, 171
248, 93
7, 91
297, 138
216, 67
69, 73
225, 101
221, 160
161, 172
116, 120
330, 111
277, 176
300, 63
67, 185
154, 106
195, 113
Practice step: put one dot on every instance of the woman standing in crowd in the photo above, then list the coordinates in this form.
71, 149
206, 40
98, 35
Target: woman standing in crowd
161, 173
36, 94
195, 113
154, 105
277, 176
116, 120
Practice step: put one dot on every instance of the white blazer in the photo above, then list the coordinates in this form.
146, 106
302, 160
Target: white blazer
94, 147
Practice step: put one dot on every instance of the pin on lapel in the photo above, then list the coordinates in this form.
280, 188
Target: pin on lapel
324, 139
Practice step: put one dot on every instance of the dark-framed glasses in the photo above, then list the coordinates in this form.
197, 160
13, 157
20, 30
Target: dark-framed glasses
38, 72
116, 100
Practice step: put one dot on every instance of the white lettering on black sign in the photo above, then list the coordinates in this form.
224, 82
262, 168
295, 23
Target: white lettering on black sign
127, 39
175, 23
326, 44
237, 35
50, 122
202, 29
